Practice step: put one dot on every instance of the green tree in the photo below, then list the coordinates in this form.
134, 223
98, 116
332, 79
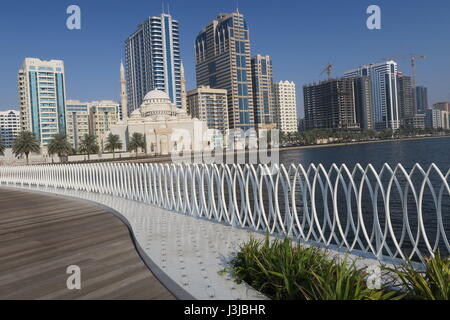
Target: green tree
113, 143
60, 146
24, 144
137, 141
89, 145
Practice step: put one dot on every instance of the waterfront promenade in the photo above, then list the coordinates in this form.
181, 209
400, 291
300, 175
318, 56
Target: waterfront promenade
187, 221
40, 236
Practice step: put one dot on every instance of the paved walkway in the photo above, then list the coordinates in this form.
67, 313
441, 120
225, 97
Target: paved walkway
40, 236
185, 253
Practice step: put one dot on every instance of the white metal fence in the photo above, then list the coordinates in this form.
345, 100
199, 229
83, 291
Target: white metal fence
391, 212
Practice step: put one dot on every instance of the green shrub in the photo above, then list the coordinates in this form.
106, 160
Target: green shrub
431, 284
285, 272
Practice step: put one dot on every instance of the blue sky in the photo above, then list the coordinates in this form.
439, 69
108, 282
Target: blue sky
301, 36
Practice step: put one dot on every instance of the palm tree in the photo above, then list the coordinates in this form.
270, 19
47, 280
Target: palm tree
2, 147
89, 145
137, 141
113, 143
24, 144
60, 146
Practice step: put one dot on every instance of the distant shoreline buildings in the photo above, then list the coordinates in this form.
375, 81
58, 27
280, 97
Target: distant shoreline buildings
373, 96
235, 92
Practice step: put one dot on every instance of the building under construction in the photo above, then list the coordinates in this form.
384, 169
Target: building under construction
330, 104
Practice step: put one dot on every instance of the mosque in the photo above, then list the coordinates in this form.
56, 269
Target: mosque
166, 128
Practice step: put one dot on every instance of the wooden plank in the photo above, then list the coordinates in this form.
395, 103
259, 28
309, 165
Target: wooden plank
40, 236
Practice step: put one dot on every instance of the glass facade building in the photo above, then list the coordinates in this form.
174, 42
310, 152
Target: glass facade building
422, 99
383, 79
153, 62
262, 80
42, 98
223, 61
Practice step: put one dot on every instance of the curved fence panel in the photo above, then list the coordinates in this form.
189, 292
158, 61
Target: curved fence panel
391, 212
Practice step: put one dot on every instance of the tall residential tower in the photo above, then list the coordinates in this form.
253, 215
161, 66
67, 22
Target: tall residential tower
421, 99
262, 82
285, 105
223, 61
383, 79
42, 98
153, 61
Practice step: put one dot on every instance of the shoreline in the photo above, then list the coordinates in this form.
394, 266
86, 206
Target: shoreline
169, 159
345, 144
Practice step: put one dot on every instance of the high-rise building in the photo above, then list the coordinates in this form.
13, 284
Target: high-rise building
262, 82
383, 79
437, 119
364, 103
102, 115
285, 105
223, 61
210, 105
42, 98
405, 97
421, 98
9, 126
153, 61
330, 104
409, 115
77, 120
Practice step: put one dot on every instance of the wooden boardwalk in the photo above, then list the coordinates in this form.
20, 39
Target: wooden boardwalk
40, 236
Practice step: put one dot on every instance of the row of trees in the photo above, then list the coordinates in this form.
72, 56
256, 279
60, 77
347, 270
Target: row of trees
26, 143
341, 136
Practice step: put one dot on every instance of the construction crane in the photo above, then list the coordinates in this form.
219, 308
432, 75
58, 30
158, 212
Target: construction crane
328, 70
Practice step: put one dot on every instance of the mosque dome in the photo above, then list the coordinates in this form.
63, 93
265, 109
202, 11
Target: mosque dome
136, 114
157, 96
157, 103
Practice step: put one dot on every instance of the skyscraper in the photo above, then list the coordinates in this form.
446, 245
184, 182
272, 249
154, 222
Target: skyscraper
330, 104
383, 79
285, 105
421, 98
364, 103
262, 82
223, 61
405, 97
42, 98
153, 61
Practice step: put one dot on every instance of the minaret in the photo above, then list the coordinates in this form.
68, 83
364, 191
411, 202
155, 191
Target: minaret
183, 89
123, 94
